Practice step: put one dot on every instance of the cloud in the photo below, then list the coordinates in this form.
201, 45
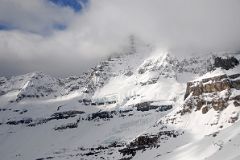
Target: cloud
38, 16
183, 27
174, 24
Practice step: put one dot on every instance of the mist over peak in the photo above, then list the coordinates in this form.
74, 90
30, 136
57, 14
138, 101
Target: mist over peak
37, 35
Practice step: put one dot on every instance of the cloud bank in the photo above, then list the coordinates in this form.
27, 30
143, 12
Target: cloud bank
37, 40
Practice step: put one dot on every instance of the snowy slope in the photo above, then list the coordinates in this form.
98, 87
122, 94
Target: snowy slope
141, 103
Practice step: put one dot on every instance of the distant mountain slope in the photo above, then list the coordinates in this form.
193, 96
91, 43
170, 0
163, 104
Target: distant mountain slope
138, 104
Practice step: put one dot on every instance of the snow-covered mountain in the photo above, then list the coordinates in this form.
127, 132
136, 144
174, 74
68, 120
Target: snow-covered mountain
141, 103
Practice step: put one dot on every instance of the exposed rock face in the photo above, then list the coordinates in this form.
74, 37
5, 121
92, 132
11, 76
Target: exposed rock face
205, 109
101, 115
57, 116
213, 84
233, 118
22, 121
208, 85
65, 114
214, 92
66, 126
226, 63
236, 103
2, 93
147, 141
146, 106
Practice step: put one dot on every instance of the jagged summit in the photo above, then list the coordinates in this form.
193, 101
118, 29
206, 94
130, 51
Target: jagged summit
40, 85
31, 85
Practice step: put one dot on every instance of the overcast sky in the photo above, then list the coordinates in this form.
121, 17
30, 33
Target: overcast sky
59, 39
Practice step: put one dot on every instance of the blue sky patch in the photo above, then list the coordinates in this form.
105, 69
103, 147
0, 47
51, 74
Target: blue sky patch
76, 5
59, 26
5, 26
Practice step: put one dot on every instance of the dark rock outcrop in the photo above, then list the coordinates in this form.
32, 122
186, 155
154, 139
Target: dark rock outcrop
225, 63
213, 84
148, 141
67, 126
205, 94
2, 93
65, 114
233, 118
146, 106
101, 115
22, 121
58, 116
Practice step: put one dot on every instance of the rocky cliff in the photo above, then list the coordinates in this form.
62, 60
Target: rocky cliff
215, 92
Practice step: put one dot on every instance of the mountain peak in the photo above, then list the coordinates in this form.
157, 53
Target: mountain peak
136, 101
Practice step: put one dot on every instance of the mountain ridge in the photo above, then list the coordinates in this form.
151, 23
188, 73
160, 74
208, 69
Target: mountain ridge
134, 105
